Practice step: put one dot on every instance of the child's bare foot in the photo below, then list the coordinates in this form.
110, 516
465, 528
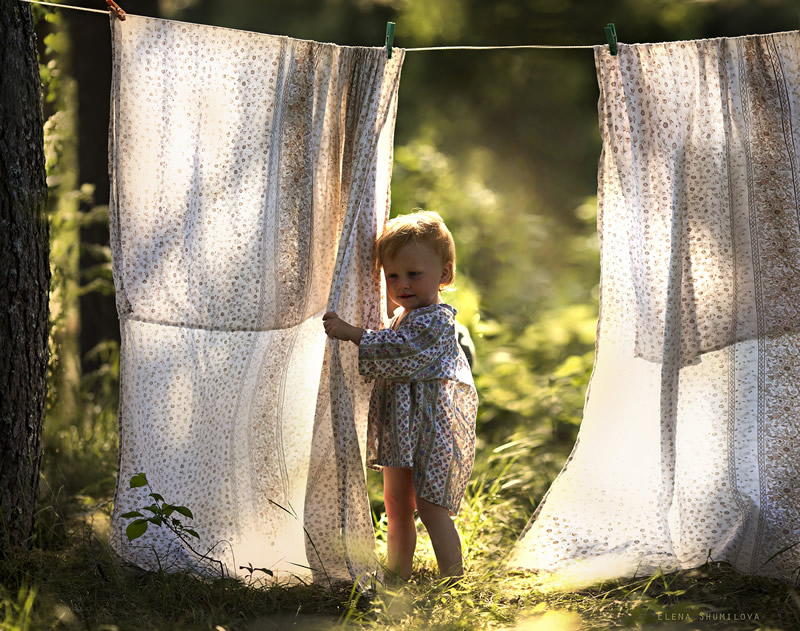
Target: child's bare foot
393, 580
447, 582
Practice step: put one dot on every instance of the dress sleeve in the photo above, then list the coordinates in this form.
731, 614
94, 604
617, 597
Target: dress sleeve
418, 351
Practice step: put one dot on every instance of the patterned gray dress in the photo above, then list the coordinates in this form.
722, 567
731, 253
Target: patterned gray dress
424, 403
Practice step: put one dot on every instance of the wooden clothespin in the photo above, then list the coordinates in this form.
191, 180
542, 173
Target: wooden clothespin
389, 39
114, 8
611, 36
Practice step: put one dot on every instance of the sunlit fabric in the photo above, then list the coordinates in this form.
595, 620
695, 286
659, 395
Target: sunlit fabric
689, 447
250, 176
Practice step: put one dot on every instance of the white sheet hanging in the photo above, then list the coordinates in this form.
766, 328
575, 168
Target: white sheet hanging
688, 447
250, 176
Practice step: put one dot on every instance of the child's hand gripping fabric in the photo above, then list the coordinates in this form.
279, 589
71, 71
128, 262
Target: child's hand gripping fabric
337, 328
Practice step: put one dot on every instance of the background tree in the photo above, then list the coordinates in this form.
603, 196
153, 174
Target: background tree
91, 69
24, 275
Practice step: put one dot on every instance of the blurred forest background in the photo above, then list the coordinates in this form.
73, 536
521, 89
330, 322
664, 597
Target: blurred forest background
504, 144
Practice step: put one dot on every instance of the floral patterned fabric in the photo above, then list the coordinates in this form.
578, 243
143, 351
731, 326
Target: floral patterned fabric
250, 177
688, 446
424, 404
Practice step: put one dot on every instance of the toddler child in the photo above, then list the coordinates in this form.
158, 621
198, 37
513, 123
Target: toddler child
421, 427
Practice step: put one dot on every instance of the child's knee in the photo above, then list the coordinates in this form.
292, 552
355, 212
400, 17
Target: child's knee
399, 507
431, 513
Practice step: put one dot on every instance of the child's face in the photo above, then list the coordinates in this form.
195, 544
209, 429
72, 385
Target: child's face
414, 275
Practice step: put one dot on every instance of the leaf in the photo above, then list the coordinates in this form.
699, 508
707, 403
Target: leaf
136, 529
249, 567
184, 511
189, 531
138, 480
133, 513
157, 497
155, 519
153, 508
167, 509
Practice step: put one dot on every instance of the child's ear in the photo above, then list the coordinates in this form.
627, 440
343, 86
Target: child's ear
447, 274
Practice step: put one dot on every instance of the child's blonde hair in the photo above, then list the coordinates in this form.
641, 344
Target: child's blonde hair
422, 226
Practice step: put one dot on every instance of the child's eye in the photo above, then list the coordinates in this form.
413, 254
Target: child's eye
392, 276
413, 273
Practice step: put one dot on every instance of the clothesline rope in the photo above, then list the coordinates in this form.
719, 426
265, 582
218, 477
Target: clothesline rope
411, 50
408, 50
67, 6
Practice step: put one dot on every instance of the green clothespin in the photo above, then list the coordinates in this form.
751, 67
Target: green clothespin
389, 39
611, 36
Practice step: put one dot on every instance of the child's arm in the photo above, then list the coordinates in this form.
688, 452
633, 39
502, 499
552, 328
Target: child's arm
415, 352
338, 328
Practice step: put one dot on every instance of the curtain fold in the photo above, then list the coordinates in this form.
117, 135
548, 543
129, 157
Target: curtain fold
250, 177
687, 448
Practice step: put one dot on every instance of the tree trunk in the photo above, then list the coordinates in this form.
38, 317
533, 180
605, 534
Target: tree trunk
24, 275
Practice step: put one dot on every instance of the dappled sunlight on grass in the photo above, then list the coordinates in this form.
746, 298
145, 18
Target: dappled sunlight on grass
549, 621
82, 585
584, 573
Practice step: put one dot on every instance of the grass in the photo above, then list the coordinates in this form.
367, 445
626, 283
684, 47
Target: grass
75, 583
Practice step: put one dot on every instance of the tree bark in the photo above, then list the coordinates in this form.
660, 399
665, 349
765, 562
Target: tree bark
24, 275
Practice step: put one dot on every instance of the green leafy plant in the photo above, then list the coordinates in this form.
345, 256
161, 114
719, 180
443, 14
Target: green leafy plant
164, 514
252, 570
161, 514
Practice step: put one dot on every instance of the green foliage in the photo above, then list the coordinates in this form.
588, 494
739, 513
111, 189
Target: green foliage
85, 587
490, 518
80, 437
163, 514
17, 613
496, 245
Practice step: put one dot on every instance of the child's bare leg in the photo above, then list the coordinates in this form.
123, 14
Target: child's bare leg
398, 497
444, 537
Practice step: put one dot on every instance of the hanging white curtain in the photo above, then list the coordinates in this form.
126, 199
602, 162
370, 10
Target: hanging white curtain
689, 444
250, 176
